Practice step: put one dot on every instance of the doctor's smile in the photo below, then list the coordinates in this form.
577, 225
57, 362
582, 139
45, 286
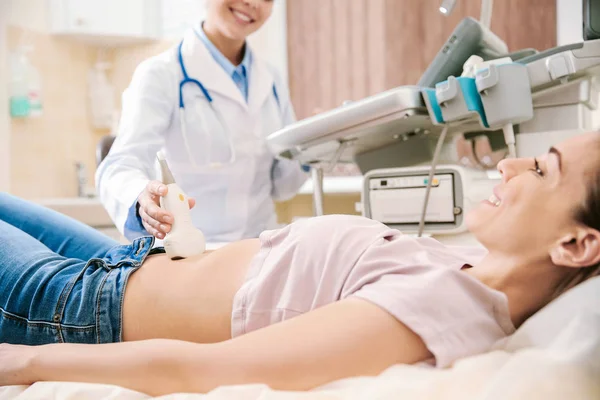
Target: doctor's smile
241, 17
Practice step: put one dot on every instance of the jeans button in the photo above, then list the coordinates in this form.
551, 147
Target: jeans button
56, 318
140, 247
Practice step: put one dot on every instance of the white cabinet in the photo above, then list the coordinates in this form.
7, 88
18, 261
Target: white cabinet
107, 22
180, 15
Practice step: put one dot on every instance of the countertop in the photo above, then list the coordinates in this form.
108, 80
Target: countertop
91, 212
336, 185
87, 210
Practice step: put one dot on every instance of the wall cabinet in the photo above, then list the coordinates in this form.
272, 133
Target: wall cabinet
107, 22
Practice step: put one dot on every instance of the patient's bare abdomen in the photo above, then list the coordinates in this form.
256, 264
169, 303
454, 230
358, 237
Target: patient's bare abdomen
188, 299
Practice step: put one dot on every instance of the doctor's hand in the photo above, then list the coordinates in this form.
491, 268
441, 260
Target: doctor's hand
155, 220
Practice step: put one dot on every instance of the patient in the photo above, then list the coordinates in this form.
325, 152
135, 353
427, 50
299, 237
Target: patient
321, 299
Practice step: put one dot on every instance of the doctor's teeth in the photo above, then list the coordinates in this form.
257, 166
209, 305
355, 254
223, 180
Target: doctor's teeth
241, 16
494, 200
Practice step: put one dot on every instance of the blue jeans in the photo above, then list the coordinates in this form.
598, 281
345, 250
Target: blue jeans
60, 280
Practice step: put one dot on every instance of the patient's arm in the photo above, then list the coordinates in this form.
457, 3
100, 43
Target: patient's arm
349, 338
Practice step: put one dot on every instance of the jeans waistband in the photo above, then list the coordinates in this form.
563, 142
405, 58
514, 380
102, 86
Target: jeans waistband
134, 253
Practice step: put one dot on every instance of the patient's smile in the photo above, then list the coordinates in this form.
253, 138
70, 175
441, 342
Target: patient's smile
494, 200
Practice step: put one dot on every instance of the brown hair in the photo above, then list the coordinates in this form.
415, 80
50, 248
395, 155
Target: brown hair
589, 215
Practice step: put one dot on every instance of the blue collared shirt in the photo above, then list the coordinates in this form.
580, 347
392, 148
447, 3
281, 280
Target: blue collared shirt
240, 73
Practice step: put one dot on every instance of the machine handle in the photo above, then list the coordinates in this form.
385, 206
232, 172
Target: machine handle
447, 90
487, 78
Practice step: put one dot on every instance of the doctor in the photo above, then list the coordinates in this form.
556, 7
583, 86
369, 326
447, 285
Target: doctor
209, 103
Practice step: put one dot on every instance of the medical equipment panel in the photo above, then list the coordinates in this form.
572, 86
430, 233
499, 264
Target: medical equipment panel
373, 122
398, 200
395, 196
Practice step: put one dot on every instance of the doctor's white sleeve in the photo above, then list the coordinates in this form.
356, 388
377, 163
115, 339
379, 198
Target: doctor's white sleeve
287, 176
148, 106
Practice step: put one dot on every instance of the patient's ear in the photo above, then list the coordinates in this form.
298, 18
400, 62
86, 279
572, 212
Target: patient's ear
581, 249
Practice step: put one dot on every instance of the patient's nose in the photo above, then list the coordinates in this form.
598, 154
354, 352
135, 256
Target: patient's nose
511, 167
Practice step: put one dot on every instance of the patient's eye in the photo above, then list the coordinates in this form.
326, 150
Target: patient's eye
536, 167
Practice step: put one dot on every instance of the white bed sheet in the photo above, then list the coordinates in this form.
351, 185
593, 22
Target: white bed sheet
527, 374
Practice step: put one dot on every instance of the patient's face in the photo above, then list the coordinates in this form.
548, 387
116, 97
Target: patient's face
534, 207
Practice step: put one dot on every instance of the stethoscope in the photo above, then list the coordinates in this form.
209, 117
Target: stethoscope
186, 79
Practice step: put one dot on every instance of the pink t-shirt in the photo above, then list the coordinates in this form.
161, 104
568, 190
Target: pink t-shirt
317, 261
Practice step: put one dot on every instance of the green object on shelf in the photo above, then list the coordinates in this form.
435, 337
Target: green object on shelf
19, 106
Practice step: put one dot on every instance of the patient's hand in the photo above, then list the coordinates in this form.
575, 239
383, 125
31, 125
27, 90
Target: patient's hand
156, 221
16, 364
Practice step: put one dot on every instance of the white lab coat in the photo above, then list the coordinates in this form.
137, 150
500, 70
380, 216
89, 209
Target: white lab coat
234, 201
